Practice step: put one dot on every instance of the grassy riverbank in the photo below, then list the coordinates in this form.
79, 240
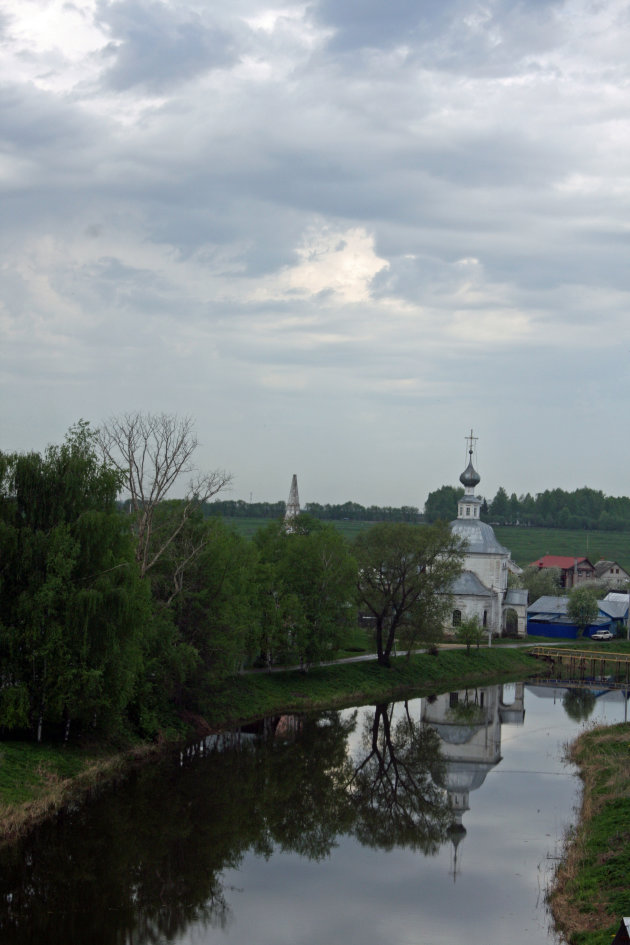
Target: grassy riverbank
592, 891
255, 695
36, 780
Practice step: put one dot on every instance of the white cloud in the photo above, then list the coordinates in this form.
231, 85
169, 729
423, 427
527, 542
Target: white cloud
329, 260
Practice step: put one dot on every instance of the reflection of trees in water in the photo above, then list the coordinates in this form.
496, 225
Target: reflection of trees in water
144, 862
578, 704
394, 788
139, 865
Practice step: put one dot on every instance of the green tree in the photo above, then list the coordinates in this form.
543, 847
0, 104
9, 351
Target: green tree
216, 611
500, 506
306, 580
470, 633
441, 505
402, 570
72, 605
582, 609
540, 582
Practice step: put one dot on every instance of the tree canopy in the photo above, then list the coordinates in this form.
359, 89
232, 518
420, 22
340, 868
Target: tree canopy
72, 606
405, 573
582, 609
441, 505
553, 508
540, 582
306, 585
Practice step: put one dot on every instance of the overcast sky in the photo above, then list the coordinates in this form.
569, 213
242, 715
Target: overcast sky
338, 234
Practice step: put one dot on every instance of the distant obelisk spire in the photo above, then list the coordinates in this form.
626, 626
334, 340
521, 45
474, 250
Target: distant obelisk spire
293, 505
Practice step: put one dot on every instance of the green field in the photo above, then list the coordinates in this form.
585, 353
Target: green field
526, 544
249, 526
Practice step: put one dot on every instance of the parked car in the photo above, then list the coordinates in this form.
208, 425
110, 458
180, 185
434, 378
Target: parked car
602, 635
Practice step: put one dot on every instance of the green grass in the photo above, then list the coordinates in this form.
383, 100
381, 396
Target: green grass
591, 891
255, 695
249, 526
356, 642
26, 769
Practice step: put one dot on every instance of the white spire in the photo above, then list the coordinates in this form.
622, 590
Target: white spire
293, 505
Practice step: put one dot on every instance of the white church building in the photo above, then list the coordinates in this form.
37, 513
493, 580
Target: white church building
482, 588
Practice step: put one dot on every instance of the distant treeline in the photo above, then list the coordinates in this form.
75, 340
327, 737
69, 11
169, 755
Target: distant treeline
554, 508
350, 511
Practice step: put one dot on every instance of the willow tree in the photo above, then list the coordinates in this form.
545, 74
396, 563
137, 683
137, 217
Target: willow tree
72, 605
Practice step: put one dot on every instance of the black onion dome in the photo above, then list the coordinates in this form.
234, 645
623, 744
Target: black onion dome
470, 477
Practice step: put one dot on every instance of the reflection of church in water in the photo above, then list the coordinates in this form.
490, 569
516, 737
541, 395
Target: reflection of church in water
468, 723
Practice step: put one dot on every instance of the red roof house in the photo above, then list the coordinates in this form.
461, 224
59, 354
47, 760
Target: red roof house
572, 570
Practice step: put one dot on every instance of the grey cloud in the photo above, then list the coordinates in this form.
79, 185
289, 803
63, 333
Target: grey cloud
34, 121
451, 35
154, 44
373, 23
140, 239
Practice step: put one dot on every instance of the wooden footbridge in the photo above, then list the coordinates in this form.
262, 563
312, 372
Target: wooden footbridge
585, 664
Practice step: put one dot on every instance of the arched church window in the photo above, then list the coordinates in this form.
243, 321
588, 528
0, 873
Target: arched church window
457, 618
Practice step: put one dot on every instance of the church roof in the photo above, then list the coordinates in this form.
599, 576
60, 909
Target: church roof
479, 536
467, 583
470, 477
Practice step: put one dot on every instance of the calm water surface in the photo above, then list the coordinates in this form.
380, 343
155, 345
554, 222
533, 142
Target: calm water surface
432, 822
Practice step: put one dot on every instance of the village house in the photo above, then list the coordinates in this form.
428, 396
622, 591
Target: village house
572, 570
548, 617
611, 573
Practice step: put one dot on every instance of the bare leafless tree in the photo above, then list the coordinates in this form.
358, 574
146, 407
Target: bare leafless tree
152, 452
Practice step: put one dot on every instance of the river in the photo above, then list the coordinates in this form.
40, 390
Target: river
432, 822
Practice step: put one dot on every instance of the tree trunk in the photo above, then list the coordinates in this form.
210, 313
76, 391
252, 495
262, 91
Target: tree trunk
66, 725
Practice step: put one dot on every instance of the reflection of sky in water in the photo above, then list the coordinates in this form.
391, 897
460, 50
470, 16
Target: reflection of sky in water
358, 895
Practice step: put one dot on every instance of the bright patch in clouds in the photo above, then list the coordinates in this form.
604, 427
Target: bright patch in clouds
52, 44
343, 263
